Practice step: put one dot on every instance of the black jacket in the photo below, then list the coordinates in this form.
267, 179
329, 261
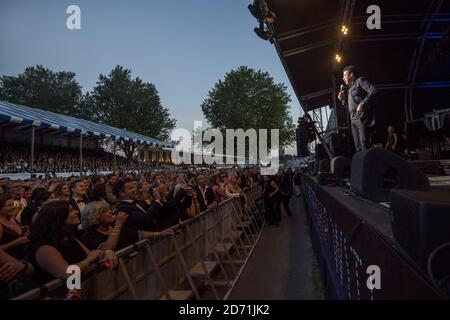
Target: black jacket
167, 214
138, 218
74, 204
362, 91
204, 203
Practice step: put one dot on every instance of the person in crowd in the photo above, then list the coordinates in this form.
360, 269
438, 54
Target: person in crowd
15, 276
217, 188
79, 199
12, 237
110, 197
205, 194
286, 192
144, 197
138, 219
62, 191
297, 182
98, 192
104, 230
272, 200
16, 189
54, 246
232, 189
194, 209
31, 208
166, 209
96, 180
28, 216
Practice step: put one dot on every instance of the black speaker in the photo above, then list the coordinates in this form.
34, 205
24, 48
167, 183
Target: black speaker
326, 178
323, 166
376, 171
320, 152
420, 223
302, 142
341, 167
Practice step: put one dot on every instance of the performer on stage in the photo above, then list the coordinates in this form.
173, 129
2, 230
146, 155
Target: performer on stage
358, 101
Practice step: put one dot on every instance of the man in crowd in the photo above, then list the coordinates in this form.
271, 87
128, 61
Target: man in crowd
205, 195
79, 197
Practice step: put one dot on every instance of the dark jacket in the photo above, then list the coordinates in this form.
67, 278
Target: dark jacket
204, 203
138, 218
74, 204
362, 91
167, 214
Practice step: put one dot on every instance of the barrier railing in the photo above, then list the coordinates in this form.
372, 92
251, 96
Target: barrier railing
216, 242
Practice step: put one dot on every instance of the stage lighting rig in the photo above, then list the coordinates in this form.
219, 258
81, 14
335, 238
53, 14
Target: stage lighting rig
266, 18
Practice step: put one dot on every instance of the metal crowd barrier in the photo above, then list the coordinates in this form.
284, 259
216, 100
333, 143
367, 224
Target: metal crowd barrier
176, 267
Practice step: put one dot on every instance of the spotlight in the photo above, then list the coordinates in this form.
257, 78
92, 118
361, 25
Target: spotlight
255, 10
264, 34
344, 30
338, 58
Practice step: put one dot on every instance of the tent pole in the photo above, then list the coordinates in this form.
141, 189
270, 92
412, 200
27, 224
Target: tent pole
32, 152
139, 159
81, 154
115, 159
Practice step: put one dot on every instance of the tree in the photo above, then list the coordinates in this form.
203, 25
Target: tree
44, 89
123, 102
248, 99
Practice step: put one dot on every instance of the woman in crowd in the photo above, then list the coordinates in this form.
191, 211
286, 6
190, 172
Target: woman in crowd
98, 192
144, 197
12, 238
31, 208
232, 189
53, 246
194, 209
29, 214
15, 276
106, 231
62, 191
217, 188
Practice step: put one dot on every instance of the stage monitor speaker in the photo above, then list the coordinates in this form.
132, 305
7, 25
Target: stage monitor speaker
341, 167
420, 223
302, 142
320, 152
323, 166
376, 172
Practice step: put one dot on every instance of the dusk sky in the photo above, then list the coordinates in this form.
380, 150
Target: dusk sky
182, 46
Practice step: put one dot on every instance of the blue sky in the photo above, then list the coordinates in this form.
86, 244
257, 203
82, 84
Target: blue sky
181, 46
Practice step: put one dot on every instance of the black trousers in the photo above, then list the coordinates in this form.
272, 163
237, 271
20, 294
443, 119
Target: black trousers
285, 200
360, 132
273, 213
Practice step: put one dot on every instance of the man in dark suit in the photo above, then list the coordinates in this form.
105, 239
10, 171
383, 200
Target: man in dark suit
359, 102
138, 218
79, 198
165, 210
205, 195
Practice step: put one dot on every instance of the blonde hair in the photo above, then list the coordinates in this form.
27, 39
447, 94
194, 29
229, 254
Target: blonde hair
90, 216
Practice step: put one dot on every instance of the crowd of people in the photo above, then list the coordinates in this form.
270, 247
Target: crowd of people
48, 224
15, 158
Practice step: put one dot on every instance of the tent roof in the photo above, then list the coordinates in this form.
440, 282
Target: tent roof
26, 116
